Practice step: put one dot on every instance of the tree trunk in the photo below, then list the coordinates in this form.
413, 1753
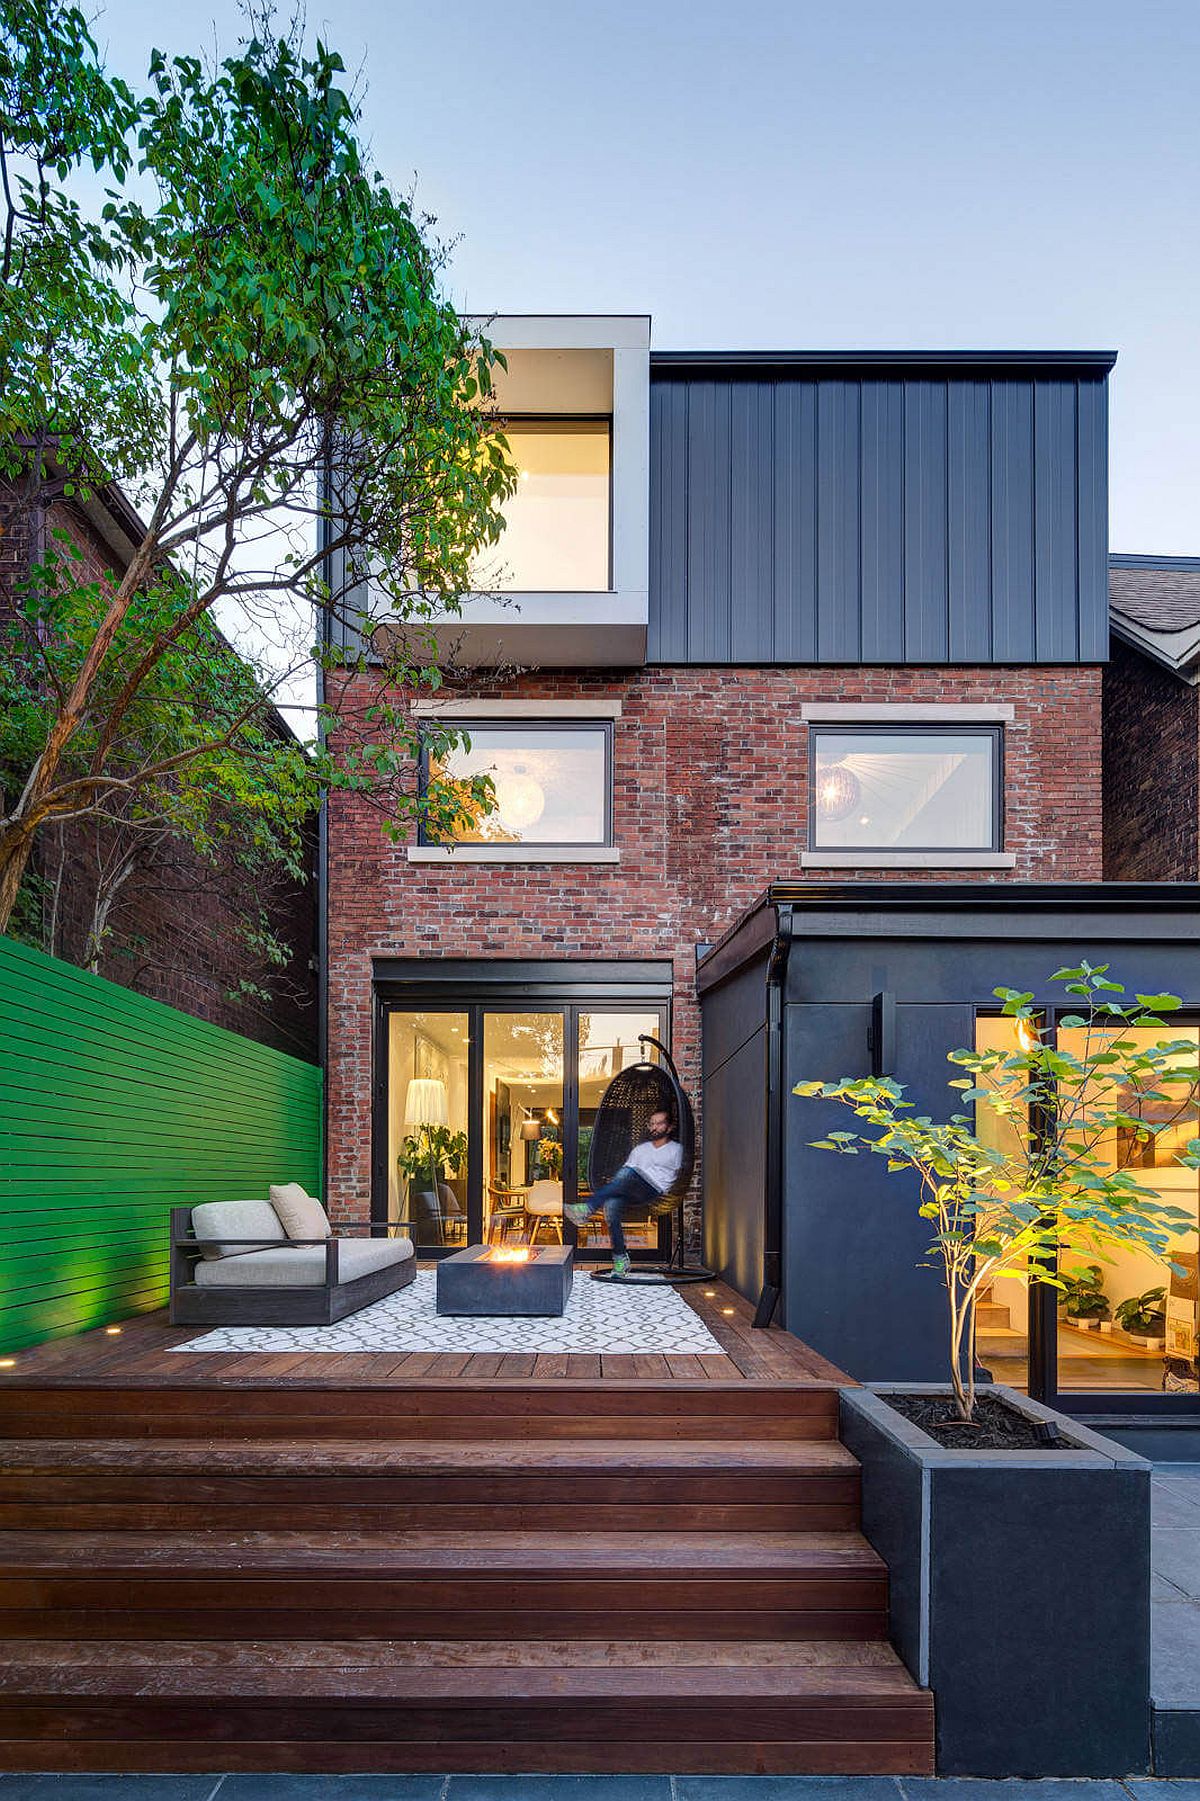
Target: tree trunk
16, 847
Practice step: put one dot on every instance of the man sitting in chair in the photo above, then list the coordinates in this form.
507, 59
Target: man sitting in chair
649, 1171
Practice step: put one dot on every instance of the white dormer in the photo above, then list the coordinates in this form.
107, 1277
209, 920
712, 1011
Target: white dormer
568, 583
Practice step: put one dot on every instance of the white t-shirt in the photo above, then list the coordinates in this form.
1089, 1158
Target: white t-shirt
658, 1163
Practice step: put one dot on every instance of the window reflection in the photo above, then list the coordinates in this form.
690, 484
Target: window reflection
879, 790
550, 784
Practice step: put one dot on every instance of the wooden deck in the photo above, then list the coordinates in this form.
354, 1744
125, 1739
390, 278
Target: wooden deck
361, 1562
138, 1355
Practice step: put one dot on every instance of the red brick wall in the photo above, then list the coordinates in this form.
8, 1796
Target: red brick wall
710, 805
1151, 772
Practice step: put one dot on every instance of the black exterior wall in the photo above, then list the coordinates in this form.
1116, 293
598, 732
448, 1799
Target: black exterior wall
855, 1283
879, 508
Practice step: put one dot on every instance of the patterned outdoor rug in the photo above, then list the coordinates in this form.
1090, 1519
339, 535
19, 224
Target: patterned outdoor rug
600, 1317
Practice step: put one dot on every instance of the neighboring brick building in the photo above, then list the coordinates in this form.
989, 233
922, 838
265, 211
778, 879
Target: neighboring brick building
771, 616
174, 928
1152, 721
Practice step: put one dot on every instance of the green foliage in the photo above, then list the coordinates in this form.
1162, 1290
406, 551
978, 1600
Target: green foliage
429, 1148
246, 334
1051, 1189
1142, 1313
1083, 1293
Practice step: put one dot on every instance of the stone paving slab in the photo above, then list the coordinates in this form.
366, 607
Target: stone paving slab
579, 1788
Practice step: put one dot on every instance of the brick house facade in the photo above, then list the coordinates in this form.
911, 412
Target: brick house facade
710, 803
1152, 721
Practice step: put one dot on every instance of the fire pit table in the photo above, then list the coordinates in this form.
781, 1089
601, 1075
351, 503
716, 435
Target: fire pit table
514, 1280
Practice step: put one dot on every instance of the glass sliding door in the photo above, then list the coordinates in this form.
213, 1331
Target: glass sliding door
427, 1126
606, 1044
484, 1119
522, 1121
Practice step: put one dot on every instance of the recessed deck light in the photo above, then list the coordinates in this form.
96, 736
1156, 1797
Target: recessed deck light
728, 1311
113, 1331
8, 1363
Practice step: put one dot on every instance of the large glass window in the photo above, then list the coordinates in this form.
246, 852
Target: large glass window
556, 522
1128, 1323
550, 782
427, 1127
924, 789
608, 1043
1139, 1333
523, 1127
486, 1118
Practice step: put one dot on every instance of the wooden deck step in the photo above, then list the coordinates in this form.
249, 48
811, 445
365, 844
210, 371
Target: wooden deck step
548, 1485
474, 1411
433, 1584
461, 1705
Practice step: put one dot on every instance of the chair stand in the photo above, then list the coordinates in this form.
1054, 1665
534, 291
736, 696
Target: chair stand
649, 1275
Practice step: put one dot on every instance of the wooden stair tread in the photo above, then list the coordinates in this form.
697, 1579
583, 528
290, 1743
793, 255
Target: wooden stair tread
518, 1681
366, 1654
425, 1457
525, 1556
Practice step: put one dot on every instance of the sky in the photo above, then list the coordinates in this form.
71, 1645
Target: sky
819, 174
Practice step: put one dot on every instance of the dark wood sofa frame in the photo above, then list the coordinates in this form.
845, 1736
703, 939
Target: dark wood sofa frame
320, 1304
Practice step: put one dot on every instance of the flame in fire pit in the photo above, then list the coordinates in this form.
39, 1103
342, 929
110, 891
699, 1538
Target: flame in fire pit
509, 1254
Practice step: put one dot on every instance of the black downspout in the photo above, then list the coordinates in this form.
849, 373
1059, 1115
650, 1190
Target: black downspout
768, 1300
323, 635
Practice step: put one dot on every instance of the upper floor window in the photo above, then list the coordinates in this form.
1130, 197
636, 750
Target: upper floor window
895, 788
551, 781
557, 524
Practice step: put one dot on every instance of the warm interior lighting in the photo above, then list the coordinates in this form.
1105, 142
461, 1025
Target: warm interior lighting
551, 1116
1028, 1036
505, 1253
520, 801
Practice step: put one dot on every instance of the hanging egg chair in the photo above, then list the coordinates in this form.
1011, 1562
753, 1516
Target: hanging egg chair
621, 1119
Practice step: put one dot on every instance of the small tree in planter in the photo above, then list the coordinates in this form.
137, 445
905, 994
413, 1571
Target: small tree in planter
1054, 1191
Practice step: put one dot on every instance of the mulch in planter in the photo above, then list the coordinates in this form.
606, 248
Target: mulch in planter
997, 1426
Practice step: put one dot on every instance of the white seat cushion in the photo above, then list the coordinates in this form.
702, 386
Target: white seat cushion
230, 1220
302, 1265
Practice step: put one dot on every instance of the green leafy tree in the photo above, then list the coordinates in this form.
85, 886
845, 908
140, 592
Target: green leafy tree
1052, 1188
246, 335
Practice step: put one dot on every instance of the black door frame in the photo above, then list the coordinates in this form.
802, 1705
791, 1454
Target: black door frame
500, 985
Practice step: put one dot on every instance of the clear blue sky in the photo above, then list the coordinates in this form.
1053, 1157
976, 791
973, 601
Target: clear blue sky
816, 173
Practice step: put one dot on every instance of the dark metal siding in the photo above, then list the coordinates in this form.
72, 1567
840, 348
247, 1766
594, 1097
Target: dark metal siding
913, 518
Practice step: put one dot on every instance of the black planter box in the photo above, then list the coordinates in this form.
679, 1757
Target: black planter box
1020, 1589
470, 1282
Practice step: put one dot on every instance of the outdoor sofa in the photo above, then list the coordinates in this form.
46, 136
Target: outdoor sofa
276, 1263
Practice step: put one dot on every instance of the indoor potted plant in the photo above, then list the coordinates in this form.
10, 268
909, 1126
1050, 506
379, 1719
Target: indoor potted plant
1143, 1317
1083, 1298
967, 1485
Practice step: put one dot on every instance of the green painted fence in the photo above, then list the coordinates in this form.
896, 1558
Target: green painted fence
113, 1109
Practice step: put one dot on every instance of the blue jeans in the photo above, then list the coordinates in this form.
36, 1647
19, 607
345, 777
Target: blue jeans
628, 1192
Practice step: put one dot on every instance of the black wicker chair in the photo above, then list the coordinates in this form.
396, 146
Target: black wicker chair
625, 1108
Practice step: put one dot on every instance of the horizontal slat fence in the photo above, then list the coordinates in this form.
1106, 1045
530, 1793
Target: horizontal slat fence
113, 1109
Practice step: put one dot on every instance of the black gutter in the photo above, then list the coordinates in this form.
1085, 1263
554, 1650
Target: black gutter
772, 1286
672, 362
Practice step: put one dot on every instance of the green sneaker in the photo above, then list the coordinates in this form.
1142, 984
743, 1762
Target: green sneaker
621, 1265
578, 1212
